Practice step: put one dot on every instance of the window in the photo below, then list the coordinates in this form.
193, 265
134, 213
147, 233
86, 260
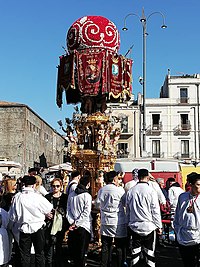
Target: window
155, 121
156, 148
124, 124
122, 150
184, 148
184, 122
183, 95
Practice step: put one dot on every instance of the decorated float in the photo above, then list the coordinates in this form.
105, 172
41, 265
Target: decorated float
92, 73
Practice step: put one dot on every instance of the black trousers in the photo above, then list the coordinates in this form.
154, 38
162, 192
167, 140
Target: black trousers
106, 250
17, 255
53, 249
143, 244
25, 243
190, 255
78, 242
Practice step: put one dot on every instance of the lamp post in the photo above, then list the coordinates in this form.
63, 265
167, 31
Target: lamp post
195, 132
198, 118
143, 19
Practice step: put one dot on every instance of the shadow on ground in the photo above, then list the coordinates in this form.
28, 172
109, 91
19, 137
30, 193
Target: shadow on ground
166, 255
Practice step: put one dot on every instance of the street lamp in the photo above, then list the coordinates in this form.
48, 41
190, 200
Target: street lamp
195, 132
143, 19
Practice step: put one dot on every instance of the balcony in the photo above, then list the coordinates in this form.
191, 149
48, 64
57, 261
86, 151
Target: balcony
121, 155
183, 129
127, 130
154, 129
157, 154
126, 133
185, 155
183, 100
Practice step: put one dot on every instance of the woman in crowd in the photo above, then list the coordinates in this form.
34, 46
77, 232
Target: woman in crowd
59, 201
39, 187
9, 190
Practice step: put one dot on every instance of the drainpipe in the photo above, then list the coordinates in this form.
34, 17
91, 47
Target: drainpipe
198, 118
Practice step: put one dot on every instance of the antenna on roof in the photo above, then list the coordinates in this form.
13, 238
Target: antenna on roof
129, 51
180, 73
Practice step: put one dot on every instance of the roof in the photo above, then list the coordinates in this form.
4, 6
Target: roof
8, 104
152, 165
10, 164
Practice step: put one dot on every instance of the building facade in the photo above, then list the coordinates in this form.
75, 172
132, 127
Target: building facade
172, 129
28, 139
129, 115
172, 122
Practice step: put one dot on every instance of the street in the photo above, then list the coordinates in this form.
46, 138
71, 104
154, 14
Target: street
166, 255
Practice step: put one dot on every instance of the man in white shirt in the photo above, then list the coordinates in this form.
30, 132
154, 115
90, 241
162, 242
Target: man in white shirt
75, 177
132, 182
187, 223
111, 201
28, 210
152, 182
144, 219
173, 194
79, 217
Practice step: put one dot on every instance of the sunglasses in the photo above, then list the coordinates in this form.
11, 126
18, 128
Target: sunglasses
55, 185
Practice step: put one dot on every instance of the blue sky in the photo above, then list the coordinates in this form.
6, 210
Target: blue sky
34, 31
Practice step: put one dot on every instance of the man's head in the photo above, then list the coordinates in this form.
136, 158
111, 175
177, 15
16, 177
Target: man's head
190, 175
28, 180
194, 180
161, 182
110, 176
193, 177
135, 174
143, 175
171, 181
75, 175
85, 181
32, 171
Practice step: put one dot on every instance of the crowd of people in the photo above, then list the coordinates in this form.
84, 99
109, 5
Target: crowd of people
126, 216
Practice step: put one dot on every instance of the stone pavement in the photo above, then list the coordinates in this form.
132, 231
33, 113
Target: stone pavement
167, 255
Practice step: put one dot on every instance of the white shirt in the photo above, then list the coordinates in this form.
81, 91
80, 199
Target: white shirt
187, 225
130, 184
71, 188
156, 187
79, 208
28, 209
5, 241
111, 200
143, 210
173, 194
41, 190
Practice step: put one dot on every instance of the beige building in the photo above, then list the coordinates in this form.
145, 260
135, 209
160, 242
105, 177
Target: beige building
129, 114
26, 138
